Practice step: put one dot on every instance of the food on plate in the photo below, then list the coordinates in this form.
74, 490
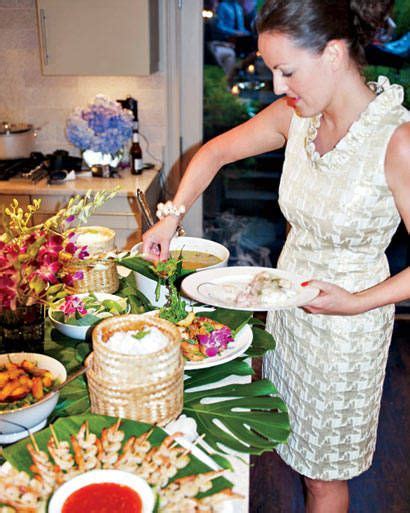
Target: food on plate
87, 310
203, 337
137, 342
192, 260
22, 384
264, 289
158, 465
98, 497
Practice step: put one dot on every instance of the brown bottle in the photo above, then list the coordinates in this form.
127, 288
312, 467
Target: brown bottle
136, 154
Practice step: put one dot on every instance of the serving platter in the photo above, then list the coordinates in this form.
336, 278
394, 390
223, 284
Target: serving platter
196, 461
217, 287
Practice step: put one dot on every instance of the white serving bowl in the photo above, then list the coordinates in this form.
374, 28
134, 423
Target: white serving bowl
148, 286
134, 482
80, 332
15, 423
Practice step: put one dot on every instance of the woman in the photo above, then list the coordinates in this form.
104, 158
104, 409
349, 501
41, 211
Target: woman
344, 185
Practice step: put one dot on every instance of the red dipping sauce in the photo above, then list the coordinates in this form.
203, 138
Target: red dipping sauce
103, 498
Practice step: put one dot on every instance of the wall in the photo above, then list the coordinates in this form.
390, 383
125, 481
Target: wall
28, 96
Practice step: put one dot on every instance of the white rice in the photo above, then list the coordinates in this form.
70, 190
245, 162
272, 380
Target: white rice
124, 342
89, 238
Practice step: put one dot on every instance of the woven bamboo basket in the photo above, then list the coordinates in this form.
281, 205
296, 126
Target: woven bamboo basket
99, 275
148, 388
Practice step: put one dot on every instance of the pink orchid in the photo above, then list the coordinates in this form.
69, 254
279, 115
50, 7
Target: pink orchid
73, 304
71, 248
47, 272
83, 253
69, 279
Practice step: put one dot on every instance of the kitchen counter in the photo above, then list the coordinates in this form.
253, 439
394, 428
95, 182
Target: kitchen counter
121, 213
128, 183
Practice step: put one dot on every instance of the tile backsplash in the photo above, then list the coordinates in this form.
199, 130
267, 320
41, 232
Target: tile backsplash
46, 101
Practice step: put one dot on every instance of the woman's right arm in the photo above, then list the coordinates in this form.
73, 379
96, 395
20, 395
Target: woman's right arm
266, 131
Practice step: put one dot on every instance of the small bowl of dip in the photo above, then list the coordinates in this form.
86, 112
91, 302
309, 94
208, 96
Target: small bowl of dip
111, 490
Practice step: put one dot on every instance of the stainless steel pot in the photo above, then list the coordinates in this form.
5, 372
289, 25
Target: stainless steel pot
16, 141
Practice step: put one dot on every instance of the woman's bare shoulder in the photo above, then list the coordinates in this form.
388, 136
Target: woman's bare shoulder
398, 152
397, 170
281, 115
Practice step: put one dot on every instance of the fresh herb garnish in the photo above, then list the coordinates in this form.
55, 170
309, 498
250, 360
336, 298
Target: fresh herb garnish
141, 334
208, 326
168, 272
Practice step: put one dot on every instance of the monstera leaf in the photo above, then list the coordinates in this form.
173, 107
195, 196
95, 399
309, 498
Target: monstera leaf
248, 418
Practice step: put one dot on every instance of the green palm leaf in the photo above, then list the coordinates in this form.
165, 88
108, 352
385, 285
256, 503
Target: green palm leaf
248, 418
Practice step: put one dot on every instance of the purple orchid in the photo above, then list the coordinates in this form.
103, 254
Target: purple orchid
73, 304
216, 341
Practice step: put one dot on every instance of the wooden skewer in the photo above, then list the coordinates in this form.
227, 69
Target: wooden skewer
54, 435
117, 425
145, 436
188, 451
33, 441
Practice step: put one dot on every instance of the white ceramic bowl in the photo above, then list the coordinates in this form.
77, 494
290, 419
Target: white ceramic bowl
80, 332
33, 416
148, 286
134, 482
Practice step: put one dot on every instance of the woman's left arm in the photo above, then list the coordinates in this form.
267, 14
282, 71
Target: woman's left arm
334, 300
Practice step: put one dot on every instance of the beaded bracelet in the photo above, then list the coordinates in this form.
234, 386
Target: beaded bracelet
169, 209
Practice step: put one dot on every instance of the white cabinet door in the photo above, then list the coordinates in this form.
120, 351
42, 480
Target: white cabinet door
98, 37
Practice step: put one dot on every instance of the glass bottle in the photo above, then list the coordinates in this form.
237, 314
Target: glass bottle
136, 162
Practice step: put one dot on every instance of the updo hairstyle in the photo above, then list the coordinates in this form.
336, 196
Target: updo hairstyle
313, 23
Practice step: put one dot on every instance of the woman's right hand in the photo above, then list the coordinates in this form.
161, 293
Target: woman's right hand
157, 239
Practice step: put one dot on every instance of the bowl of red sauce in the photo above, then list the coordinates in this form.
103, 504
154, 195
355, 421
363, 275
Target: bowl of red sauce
103, 491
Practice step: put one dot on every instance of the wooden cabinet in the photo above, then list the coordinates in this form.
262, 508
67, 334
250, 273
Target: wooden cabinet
98, 37
120, 214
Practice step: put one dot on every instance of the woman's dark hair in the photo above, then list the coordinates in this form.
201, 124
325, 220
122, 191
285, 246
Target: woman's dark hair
313, 23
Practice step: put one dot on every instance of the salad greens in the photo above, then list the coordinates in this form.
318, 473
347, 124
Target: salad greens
86, 311
174, 309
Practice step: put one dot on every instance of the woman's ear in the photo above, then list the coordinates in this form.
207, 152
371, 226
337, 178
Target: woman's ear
336, 53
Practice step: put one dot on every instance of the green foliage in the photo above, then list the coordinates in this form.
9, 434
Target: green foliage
401, 77
401, 16
253, 417
222, 110
136, 299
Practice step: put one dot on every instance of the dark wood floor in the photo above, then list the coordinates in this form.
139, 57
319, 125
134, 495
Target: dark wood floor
385, 488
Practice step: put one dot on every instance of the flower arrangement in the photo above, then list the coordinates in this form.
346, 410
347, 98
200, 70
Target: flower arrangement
33, 258
103, 127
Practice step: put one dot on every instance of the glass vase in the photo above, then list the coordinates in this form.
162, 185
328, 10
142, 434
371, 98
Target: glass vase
101, 164
23, 329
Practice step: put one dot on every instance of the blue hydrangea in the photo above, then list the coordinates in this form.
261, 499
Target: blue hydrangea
104, 126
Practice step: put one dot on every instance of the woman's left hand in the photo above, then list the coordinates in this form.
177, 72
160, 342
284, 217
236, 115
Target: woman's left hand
333, 300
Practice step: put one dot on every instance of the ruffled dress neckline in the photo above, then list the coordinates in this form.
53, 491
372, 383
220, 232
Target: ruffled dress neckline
387, 97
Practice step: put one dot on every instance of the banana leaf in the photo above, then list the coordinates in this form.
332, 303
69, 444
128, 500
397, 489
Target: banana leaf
18, 456
128, 289
142, 266
248, 418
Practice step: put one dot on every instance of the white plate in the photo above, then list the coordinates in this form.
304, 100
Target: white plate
239, 345
206, 287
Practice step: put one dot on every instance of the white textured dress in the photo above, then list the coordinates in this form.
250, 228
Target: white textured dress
330, 369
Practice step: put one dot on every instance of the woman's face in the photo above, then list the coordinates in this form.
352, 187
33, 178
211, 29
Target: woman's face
306, 78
